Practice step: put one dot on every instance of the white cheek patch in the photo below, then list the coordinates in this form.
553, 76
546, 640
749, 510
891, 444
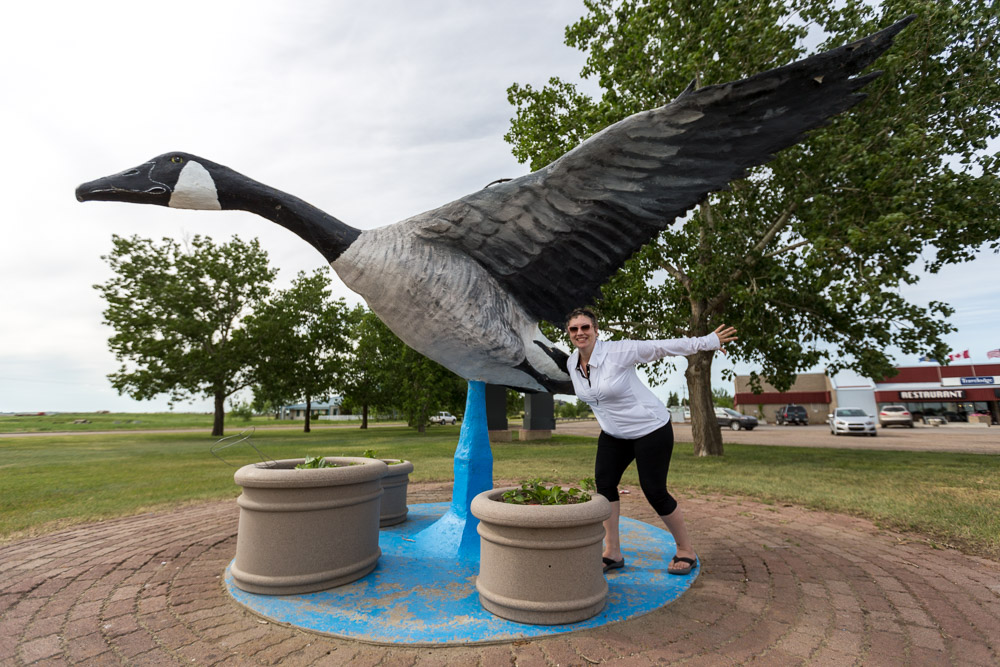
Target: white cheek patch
195, 189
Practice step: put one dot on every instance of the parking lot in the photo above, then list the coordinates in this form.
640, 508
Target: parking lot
976, 439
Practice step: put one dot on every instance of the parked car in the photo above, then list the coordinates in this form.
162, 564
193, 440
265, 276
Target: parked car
852, 420
894, 415
792, 414
443, 418
734, 420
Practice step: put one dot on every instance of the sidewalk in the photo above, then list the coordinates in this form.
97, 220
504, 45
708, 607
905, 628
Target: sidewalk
780, 586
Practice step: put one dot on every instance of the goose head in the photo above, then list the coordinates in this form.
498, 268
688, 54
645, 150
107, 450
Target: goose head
182, 180
177, 180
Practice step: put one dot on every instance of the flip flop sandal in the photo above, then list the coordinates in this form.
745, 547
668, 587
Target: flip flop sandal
613, 564
691, 562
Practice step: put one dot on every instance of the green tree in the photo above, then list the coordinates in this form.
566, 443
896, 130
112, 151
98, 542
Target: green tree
178, 312
366, 382
806, 256
386, 373
721, 398
262, 406
566, 410
424, 386
242, 410
515, 403
673, 400
301, 337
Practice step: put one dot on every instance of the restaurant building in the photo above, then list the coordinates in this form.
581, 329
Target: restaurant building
955, 393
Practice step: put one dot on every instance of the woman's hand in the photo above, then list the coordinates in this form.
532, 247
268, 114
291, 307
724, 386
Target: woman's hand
725, 334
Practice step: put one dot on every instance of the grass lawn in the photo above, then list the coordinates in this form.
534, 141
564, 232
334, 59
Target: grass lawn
51, 481
112, 421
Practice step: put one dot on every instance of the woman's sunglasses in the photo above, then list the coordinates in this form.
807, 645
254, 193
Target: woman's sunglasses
582, 327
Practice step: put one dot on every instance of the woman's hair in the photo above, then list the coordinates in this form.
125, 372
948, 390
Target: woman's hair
586, 312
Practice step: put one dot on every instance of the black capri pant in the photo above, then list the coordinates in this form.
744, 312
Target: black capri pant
651, 454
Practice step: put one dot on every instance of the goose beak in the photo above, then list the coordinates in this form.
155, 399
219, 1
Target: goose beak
133, 185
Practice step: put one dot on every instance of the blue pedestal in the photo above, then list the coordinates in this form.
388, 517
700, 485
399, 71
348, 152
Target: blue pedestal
454, 534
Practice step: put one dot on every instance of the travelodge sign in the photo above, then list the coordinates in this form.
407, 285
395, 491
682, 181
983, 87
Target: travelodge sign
974, 380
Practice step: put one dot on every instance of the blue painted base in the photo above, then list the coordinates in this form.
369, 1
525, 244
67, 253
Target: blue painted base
414, 597
454, 535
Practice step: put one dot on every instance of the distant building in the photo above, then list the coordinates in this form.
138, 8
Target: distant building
814, 391
319, 408
952, 392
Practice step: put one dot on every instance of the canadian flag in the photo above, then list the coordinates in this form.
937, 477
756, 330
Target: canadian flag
964, 354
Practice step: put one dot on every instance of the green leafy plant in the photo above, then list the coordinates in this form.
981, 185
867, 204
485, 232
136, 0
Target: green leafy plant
534, 492
372, 454
316, 462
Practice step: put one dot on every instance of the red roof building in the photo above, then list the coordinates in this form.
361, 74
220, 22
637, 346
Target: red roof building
956, 393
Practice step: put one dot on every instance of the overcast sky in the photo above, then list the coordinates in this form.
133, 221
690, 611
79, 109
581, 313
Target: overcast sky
371, 111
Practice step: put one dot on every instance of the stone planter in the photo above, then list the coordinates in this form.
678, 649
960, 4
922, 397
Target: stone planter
394, 486
302, 531
541, 564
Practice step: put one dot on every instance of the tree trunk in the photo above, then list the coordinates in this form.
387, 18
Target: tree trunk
308, 413
704, 427
218, 425
364, 416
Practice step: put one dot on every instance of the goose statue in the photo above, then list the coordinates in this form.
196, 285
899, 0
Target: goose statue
467, 284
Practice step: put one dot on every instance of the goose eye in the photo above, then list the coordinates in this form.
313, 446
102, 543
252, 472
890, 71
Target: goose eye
177, 159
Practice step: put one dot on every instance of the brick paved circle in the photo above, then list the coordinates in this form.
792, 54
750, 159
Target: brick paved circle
780, 585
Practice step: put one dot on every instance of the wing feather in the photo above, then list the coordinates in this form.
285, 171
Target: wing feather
553, 237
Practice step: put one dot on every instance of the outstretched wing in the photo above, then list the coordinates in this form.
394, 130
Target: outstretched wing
553, 237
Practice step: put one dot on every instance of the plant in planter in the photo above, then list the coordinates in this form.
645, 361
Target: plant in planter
307, 529
533, 492
540, 553
312, 462
395, 485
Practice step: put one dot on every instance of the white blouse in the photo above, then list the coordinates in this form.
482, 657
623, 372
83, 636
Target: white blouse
623, 405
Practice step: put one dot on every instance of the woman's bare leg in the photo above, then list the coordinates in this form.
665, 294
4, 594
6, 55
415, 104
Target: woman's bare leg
612, 541
675, 524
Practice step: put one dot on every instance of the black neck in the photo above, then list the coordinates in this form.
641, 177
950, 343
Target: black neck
324, 232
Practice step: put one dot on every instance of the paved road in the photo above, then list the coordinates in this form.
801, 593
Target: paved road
950, 438
779, 586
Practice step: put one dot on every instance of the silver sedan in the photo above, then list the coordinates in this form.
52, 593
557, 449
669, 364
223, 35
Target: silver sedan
852, 421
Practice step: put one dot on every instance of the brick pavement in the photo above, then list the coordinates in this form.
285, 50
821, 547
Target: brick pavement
780, 586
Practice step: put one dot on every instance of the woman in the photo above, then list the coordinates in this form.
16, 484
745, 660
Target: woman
634, 423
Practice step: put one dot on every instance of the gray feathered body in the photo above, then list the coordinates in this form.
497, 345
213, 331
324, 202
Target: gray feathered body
448, 307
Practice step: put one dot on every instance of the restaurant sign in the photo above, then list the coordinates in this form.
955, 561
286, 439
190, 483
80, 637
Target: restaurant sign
932, 394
